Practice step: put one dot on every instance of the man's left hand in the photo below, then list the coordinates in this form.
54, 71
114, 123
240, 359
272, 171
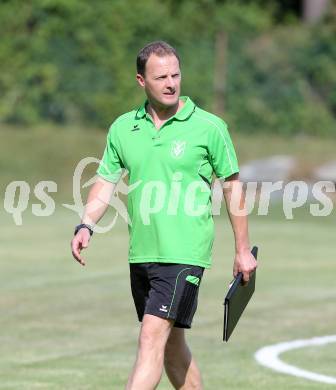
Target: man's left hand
244, 262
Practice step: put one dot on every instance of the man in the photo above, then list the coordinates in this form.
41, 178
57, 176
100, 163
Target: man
170, 148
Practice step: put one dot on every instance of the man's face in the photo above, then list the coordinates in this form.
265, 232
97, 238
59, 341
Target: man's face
162, 80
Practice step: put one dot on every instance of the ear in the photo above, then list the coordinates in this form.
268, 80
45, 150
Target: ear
140, 80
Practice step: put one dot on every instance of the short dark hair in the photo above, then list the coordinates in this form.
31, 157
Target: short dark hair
160, 48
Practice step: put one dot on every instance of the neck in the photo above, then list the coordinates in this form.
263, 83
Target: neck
160, 113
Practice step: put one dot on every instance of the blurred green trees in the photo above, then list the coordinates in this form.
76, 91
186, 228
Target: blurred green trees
73, 61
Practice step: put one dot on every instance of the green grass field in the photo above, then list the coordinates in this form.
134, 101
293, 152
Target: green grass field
64, 326
68, 327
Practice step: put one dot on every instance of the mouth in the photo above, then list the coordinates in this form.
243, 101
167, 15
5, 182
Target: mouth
169, 93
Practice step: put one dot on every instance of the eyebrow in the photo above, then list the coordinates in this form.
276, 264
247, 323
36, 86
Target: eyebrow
165, 75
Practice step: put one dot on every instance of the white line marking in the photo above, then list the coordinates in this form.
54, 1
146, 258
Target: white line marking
268, 357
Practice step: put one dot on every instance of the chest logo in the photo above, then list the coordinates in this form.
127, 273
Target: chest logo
177, 149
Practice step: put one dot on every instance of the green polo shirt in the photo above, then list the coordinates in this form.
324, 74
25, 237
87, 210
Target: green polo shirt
171, 169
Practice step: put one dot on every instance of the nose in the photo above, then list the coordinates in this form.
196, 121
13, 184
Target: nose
170, 83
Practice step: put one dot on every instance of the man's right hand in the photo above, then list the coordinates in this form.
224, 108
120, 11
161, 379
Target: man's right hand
79, 242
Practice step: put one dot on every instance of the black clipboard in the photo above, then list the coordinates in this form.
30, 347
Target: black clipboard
237, 299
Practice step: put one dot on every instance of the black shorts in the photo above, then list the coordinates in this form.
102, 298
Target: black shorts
166, 290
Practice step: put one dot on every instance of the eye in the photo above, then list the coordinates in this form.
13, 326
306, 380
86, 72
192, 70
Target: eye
176, 75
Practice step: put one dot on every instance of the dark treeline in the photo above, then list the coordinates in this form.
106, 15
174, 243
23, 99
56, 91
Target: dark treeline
265, 66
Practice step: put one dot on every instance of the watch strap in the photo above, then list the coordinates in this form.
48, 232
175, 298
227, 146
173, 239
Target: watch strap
81, 226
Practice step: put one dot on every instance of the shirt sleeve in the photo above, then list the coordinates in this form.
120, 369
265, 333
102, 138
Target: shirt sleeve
222, 154
111, 165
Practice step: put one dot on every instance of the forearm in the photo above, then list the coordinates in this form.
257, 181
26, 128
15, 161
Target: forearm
97, 201
235, 204
240, 230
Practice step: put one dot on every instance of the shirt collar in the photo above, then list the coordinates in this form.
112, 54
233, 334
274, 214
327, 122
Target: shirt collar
184, 113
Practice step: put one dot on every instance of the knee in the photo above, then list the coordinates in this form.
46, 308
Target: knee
147, 340
151, 340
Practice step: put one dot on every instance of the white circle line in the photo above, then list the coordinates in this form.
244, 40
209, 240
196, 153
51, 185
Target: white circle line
269, 357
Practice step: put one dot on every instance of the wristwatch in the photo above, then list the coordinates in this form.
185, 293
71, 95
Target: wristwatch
83, 225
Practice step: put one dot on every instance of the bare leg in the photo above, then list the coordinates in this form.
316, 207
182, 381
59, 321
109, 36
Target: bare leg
148, 367
180, 366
